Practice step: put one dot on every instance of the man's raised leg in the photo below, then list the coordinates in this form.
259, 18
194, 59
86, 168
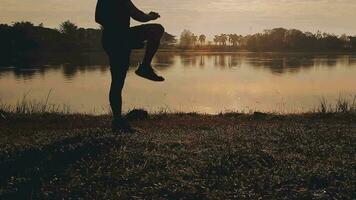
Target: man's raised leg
152, 33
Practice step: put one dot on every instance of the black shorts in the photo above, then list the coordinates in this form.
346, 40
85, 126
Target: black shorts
119, 43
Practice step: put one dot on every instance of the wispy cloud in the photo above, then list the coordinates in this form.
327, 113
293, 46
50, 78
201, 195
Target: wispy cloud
209, 16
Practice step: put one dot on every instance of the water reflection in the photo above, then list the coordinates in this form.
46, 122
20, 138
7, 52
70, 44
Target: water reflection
71, 64
163, 60
203, 82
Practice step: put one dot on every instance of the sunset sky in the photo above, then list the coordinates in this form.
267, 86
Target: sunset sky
201, 16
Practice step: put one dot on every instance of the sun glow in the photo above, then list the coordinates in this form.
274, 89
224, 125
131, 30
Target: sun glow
201, 16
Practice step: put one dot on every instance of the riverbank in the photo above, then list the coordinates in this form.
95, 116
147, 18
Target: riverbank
244, 156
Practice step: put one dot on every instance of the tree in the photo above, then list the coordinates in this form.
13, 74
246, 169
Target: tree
202, 39
23, 25
186, 39
71, 33
293, 39
168, 39
23, 36
68, 28
6, 47
234, 39
352, 42
274, 39
216, 39
194, 39
223, 39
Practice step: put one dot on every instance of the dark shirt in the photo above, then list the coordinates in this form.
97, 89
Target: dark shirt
116, 14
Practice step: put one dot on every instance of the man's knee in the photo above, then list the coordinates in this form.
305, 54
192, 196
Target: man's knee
158, 29
118, 76
119, 61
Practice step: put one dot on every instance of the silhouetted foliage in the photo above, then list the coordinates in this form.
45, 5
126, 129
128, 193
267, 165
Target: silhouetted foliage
282, 39
22, 38
168, 40
68, 28
202, 39
278, 39
187, 39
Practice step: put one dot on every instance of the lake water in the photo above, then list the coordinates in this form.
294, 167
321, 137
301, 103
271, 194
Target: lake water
199, 82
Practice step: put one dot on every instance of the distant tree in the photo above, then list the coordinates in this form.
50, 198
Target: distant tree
331, 42
345, 40
168, 39
71, 40
223, 39
6, 41
23, 36
319, 35
216, 39
68, 28
231, 39
194, 39
274, 39
87, 38
234, 39
202, 39
293, 39
352, 42
186, 39
23, 25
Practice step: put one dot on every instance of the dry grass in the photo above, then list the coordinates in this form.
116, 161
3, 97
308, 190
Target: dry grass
25, 106
179, 156
343, 105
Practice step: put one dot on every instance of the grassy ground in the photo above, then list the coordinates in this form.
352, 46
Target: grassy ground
57, 156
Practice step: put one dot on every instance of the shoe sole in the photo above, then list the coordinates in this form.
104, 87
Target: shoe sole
148, 78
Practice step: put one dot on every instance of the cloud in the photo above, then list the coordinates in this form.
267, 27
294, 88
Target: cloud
210, 16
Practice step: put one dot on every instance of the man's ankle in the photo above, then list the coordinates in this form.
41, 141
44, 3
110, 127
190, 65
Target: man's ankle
145, 65
118, 119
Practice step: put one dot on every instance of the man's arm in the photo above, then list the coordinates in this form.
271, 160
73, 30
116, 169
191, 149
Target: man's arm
140, 16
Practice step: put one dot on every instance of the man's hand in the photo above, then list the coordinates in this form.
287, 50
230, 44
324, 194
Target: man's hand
140, 16
154, 15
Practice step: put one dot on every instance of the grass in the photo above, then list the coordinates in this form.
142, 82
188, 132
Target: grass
343, 105
24, 106
55, 155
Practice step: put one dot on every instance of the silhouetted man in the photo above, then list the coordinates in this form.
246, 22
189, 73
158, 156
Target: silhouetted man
118, 41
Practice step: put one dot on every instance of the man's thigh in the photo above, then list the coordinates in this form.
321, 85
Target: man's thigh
118, 51
119, 60
141, 33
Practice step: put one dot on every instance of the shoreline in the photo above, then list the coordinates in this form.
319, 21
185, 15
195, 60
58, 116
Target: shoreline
45, 57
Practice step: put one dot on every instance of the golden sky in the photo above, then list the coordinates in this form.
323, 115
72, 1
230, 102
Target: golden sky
201, 16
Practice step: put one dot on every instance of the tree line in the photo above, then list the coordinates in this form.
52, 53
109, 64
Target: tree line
278, 39
21, 37
25, 37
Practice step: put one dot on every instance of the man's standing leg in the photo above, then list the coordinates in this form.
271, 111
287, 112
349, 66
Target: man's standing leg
118, 75
119, 64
